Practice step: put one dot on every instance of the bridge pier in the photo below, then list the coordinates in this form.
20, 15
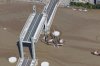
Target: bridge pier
33, 49
21, 49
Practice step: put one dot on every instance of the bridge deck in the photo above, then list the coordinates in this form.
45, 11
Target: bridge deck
35, 22
33, 27
51, 8
26, 62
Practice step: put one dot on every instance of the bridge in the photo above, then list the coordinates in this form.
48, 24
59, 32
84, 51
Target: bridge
33, 28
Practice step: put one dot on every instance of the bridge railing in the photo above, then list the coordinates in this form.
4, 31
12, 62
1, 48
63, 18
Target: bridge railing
20, 61
27, 24
52, 13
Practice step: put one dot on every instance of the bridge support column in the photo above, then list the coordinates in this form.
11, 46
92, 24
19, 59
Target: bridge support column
46, 31
33, 49
21, 49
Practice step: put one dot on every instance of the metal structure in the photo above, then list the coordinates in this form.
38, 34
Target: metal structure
33, 28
